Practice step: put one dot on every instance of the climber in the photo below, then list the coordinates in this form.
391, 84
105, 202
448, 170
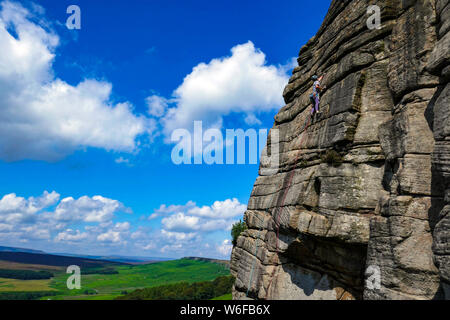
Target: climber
315, 95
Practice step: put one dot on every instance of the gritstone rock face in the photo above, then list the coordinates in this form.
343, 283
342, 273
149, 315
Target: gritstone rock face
323, 226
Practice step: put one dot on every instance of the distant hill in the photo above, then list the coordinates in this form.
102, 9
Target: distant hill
14, 249
54, 260
113, 258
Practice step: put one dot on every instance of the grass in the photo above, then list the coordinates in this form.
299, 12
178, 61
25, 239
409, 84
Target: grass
224, 297
13, 285
26, 266
332, 157
83, 297
131, 277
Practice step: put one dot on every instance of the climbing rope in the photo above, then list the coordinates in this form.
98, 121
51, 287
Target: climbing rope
278, 210
281, 207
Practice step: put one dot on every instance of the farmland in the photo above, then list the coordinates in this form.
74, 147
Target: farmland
119, 280
132, 277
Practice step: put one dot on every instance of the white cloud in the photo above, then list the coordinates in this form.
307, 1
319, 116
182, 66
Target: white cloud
149, 246
220, 209
110, 236
71, 235
36, 232
5, 227
122, 160
179, 236
34, 219
14, 209
138, 234
156, 105
45, 118
213, 225
225, 248
164, 209
219, 216
241, 83
186, 227
153, 216
172, 248
181, 222
95, 209
122, 226
44, 201
251, 120
89, 224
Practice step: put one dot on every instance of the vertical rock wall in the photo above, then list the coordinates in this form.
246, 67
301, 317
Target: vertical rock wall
363, 185
439, 64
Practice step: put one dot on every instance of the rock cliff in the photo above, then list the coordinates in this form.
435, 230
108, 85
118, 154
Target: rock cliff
358, 208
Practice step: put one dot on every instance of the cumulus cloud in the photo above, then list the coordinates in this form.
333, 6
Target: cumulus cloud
14, 209
240, 83
156, 105
138, 234
149, 246
220, 209
71, 236
225, 248
46, 217
179, 236
191, 218
43, 117
186, 228
122, 226
78, 223
87, 209
166, 209
110, 236
251, 120
36, 232
181, 222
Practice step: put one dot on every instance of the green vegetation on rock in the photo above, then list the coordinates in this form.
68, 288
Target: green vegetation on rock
332, 157
237, 229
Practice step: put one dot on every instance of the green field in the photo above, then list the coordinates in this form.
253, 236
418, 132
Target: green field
12, 285
131, 277
100, 280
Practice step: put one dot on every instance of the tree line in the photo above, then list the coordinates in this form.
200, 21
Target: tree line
23, 295
25, 274
204, 290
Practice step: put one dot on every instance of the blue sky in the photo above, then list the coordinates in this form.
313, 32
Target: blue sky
87, 116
